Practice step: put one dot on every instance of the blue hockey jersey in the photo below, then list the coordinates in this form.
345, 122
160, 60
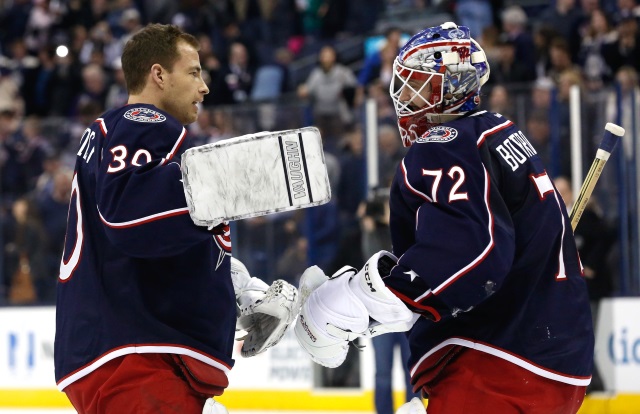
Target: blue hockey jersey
486, 252
137, 275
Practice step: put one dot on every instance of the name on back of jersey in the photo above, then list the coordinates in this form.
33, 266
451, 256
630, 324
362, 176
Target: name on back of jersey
516, 150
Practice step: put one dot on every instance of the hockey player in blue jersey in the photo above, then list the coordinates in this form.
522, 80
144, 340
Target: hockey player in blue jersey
147, 301
485, 275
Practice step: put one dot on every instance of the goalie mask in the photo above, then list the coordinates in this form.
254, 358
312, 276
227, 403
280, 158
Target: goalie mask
436, 78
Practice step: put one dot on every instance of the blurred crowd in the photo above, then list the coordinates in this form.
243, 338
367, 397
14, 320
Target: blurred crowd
281, 64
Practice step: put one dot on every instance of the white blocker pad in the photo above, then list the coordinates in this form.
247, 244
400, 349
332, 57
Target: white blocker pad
254, 175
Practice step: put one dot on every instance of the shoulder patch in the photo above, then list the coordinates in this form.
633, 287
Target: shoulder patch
144, 115
438, 134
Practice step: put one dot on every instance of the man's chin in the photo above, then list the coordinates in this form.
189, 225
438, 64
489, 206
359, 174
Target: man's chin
190, 119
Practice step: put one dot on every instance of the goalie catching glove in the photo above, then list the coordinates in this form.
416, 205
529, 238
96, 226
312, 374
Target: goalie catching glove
265, 312
336, 310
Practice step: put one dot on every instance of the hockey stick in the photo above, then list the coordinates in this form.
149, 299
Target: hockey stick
611, 137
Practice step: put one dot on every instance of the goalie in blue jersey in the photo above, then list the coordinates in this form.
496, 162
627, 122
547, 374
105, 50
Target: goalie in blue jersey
485, 276
148, 303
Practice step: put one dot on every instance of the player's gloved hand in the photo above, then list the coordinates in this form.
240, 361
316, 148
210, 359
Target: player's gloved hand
415, 406
336, 310
265, 312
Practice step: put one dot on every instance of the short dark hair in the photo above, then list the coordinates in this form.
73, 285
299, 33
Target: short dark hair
155, 43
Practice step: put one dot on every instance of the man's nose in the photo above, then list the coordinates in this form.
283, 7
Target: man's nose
405, 94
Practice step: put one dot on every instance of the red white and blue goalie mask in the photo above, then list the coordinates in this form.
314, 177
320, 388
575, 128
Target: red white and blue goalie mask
437, 77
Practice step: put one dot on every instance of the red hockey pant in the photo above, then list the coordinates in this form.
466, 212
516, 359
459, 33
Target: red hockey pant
144, 384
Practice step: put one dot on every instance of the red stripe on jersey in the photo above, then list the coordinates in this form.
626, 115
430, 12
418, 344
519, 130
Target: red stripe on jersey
412, 303
102, 125
176, 147
145, 220
492, 131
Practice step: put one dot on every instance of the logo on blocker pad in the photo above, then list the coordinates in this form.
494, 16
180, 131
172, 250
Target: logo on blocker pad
144, 115
296, 173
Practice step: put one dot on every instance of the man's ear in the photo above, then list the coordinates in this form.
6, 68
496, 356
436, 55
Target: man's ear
158, 75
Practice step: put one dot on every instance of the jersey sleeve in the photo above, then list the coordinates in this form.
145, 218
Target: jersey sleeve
140, 196
451, 232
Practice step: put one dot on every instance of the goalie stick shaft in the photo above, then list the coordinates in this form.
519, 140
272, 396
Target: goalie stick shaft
611, 137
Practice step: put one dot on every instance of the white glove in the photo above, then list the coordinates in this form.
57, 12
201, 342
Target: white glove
265, 312
336, 310
415, 406
213, 407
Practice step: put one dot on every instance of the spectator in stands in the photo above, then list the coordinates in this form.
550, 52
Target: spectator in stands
221, 125
293, 262
326, 88
542, 94
117, 93
115, 16
311, 12
9, 91
38, 30
52, 208
379, 92
542, 38
597, 34
508, 69
350, 193
233, 81
382, 73
283, 58
620, 107
500, 102
254, 18
321, 224
14, 21
594, 240
12, 182
25, 252
100, 40
626, 49
490, 43
202, 130
390, 153
21, 64
230, 34
64, 85
538, 132
94, 86
560, 59
514, 24
37, 85
564, 17
627, 9
379, 65
33, 149
477, 15
372, 63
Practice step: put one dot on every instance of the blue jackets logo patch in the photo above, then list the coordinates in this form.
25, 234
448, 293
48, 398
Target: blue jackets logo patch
144, 115
438, 134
